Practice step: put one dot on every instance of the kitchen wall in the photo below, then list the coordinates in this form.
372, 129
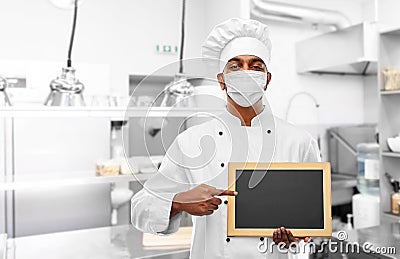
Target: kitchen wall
371, 100
342, 99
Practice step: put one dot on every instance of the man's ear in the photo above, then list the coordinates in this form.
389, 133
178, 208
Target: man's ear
221, 81
269, 77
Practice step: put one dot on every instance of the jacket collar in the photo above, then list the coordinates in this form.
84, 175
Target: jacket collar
258, 121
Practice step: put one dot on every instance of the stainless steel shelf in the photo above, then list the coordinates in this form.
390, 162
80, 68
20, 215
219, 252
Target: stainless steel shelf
394, 92
107, 112
390, 31
390, 154
117, 242
37, 181
391, 217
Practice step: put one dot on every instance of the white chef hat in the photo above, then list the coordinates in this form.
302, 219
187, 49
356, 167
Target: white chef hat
236, 37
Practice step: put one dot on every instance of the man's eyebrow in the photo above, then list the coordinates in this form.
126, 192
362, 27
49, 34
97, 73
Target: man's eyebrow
235, 59
256, 59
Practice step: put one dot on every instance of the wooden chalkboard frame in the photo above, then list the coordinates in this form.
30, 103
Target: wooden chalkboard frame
267, 232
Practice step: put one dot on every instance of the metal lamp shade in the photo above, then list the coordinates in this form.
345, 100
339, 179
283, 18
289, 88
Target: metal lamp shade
177, 92
66, 90
4, 100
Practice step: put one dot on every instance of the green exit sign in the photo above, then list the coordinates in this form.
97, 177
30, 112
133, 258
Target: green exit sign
161, 48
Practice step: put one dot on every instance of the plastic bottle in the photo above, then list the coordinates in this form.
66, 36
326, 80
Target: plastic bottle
368, 168
117, 148
349, 226
395, 199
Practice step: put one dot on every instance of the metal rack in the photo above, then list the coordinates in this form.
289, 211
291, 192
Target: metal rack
10, 183
116, 113
389, 121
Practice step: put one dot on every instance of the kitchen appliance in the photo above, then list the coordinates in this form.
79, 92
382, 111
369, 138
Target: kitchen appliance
342, 154
352, 50
285, 12
342, 146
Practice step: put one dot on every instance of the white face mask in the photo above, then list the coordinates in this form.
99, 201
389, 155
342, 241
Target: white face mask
245, 87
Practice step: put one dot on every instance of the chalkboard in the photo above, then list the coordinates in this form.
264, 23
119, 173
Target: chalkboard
296, 196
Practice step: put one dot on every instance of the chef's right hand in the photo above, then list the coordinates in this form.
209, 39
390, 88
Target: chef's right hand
199, 201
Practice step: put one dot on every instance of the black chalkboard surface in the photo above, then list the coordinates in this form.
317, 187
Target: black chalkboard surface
296, 196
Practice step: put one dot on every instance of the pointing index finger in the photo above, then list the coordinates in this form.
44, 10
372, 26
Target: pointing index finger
227, 193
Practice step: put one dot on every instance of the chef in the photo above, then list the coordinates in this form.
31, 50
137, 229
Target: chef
193, 176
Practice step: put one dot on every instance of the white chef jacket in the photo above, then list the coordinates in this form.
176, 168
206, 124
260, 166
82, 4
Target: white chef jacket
201, 155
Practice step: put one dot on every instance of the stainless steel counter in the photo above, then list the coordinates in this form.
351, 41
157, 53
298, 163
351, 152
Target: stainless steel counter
385, 235
342, 188
99, 243
342, 181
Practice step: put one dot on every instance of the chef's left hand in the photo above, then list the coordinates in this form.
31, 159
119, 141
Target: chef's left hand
284, 235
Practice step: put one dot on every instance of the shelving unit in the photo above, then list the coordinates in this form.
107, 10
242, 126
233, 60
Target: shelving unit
394, 30
391, 217
57, 126
389, 119
107, 112
396, 92
38, 181
390, 154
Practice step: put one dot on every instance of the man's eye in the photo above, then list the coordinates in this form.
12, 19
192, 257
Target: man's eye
234, 67
257, 67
